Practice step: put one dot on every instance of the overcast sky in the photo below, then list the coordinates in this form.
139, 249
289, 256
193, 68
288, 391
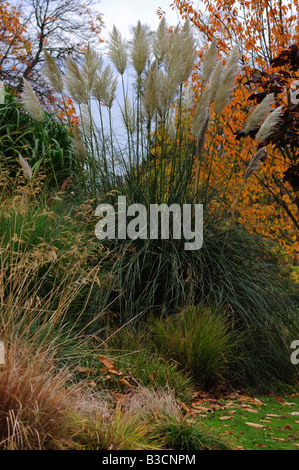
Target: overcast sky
126, 13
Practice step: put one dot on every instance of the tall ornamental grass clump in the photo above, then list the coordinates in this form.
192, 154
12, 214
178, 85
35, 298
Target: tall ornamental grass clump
162, 158
199, 340
48, 267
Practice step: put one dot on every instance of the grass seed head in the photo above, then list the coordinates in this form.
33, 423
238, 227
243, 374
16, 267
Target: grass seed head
117, 51
52, 72
31, 102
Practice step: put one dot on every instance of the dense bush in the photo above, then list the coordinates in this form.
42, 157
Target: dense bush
45, 145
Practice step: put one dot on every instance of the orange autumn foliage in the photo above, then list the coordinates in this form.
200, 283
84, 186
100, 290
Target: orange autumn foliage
261, 29
13, 40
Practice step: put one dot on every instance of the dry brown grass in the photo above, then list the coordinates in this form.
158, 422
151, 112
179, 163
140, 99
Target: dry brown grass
36, 401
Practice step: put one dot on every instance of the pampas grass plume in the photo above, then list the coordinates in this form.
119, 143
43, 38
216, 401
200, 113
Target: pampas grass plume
2, 93
128, 116
26, 168
161, 41
202, 113
259, 113
209, 61
224, 91
216, 80
31, 102
75, 82
117, 51
151, 91
140, 48
269, 125
254, 163
52, 72
78, 144
92, 64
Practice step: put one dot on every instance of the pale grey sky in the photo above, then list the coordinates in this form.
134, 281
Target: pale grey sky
126, 13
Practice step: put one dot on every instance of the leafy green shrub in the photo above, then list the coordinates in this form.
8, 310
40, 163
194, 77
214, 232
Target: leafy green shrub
45, 145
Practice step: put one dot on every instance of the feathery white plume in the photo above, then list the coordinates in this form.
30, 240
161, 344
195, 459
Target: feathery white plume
188, 98
76, 83
209, 62
223, 93
52, 73
31, 103
161, 41
128, 116
151, 91
268, 126
254, 163
259, 113
78, 144
216, 80
26, 168
86, 120
117, 51
2, 93
202, 113
140, 47
92, 64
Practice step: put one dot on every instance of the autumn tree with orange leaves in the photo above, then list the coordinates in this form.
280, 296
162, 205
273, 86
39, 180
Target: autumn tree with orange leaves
14, 43
63, 27
262, 30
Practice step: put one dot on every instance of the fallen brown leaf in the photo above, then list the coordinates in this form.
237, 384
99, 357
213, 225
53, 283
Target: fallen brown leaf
185, 407
254, 425
108, 364
125, 382
259, 402
250, 410
118, 396
202, 409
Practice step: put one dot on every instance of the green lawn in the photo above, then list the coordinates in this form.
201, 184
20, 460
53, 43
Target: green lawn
273, 421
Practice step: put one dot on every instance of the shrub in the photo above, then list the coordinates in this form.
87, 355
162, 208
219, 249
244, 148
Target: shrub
46, 146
